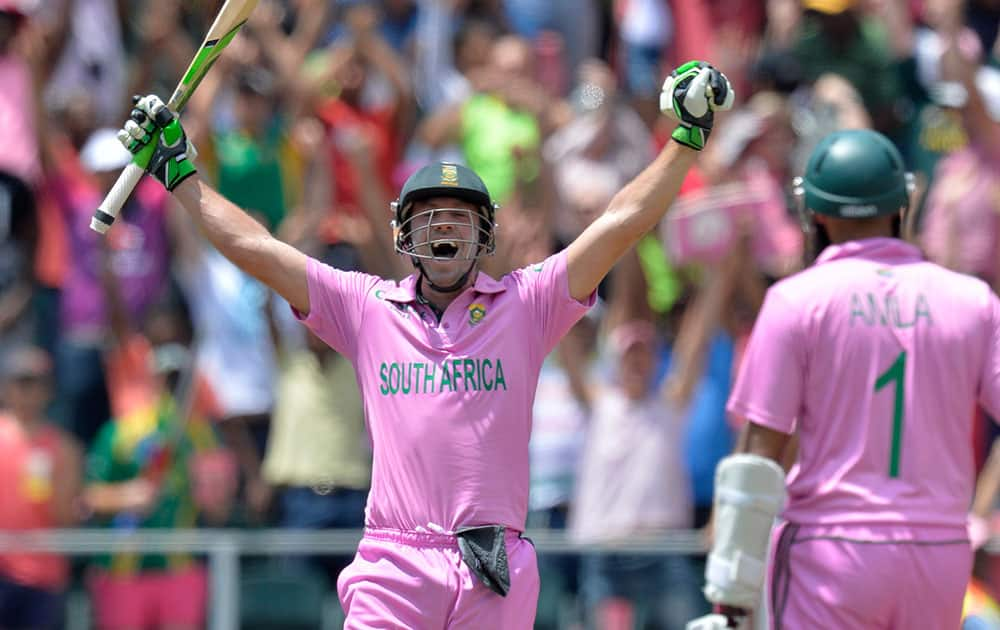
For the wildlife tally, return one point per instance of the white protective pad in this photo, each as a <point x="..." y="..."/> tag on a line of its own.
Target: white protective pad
<point x="714" y="622"/>
<point x="749" y="494"/>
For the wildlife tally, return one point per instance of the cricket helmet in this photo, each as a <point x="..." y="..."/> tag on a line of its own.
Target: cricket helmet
<point x="855" y="174"/>
<point x="443" y="179"/>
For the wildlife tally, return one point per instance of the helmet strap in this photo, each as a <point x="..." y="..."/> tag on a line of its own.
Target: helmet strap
<point x="817" y="239"/>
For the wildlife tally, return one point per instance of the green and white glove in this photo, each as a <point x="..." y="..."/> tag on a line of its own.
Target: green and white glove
<point x="158" y="144"/>
<point x="691" y="95"/>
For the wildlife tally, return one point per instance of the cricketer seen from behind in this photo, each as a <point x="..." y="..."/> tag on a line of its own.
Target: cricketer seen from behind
<point x="447" y="361"/>
<point x="875" y="359"/>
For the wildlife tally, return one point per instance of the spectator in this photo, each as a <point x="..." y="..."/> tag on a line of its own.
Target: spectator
<point x="746" y="174"/>
<point x="256" y="162"/>
<point x="18" y="239"/>
<point x="645" y="30"/>
<point x="92" y="58"/>
<point x="140" y="247"/>
<point x="20" y="174"/>
<point x="396" y="21"/>
<point x="632" y="483"/>
<point x="444" y="62"/>
<point x="399" y="23"/>
<point x="829" y="104"/>
<point x="561" y="415"/>
<point x="157" y="466"/>
<point x="508" y="114"/>
<point x="236" y="356"/>
<point x="836" y="36"/>
<point x="373" y="97"/>
<point x="961" y="229"/>
<point x="19" y="157"/>
<point x="604" y="145"/>
<point x="576" y="23"/>
<point x="39" y="488"/>
<point x="560" y="419"/>
<point x="319" y="454"/>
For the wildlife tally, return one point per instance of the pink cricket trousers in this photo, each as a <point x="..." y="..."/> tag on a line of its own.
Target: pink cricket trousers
<point x="418" y="581"/>
<point x="823" y="579"/>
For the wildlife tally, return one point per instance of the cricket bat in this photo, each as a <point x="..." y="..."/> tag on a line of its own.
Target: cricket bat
<point x="231" y="17"/>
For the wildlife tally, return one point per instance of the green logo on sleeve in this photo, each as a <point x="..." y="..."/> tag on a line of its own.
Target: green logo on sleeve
<point x="409" y="378"/>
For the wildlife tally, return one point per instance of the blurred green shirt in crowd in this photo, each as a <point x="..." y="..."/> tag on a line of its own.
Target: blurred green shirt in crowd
<point x="254" y="173"/>
<point x="145" y="442"/>
<point x="491" y="133"/>
<point x="864" y="61"/>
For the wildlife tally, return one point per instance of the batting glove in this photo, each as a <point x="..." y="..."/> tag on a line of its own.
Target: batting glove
<point x="691" y="95"/>
<point x="158" y="144"/>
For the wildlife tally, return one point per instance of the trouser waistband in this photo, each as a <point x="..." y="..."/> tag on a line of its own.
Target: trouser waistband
<point x="431" y="540"/>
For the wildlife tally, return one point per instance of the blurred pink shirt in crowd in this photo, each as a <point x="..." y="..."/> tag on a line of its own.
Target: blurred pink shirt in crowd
<point x="876" y="358"/>
<point x="448" y="403"/>
<point x="962" y="222"/>
<point x="19" y="156"/>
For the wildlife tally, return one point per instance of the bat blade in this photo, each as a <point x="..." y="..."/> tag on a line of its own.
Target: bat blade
<point x="232" y="16"/>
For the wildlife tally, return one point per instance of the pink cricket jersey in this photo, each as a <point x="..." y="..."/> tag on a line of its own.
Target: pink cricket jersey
<point x="448" y="404"/>
<point x="876" y="358"/>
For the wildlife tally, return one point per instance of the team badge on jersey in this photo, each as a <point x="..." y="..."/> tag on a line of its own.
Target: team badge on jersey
<point x="449" y="175"/>
<point x="476" y="313"/>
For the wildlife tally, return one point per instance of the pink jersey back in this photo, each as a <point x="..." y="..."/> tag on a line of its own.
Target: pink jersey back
<point x="448" y="404"/>
<point x="876" y="358"/>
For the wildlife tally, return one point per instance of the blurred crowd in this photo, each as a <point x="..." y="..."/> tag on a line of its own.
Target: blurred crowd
<point x="147" y="382"/>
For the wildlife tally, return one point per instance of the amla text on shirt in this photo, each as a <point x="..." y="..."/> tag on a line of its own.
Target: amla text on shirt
<point x="871" y="310"/>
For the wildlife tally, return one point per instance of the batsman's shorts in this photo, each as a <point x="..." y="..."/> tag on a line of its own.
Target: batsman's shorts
<point x="418" y="581"/>
<point x="828" y="577"/>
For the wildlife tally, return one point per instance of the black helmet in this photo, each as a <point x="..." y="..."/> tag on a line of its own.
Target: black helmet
<point x="444" y="179"/>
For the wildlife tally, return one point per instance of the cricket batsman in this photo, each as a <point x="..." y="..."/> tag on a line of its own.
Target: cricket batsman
<point x="447" y="360"/>
<point x="875" y="359"/>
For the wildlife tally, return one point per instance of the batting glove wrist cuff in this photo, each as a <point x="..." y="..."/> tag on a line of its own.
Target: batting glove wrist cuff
<point x="690" y="136"/>
<point x="171" y="168"/>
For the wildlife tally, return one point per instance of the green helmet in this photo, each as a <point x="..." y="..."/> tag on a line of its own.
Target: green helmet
<point x="855" y="174"/>
<point x="444" y="179"/>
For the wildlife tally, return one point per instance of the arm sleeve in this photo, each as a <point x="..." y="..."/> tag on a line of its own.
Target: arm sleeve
<point x="544" y="287"/>
<point x="989" y="380"/>
<point x="769" y="386"/>
<point x="336" y="305"/>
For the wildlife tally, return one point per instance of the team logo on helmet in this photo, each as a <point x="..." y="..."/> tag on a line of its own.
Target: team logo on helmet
<point x="449" y="175"/>
<point x="852" y="211"/>
<point x="476" y="313"/>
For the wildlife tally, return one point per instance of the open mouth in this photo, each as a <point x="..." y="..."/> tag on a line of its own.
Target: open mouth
<point x="444" y="249"/>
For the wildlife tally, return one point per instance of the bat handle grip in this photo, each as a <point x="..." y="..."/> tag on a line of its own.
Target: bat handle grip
<point x="106" y="213"/>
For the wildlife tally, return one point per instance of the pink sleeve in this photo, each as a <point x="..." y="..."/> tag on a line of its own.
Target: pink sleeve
<point x="336" y="305"/>
<point x="770" y="384"/>
<point x="545" y="289"/>
<point x="989" y="383"/>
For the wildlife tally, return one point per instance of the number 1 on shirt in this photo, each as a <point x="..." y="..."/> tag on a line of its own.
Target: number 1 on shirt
<point x="896" y="372"/>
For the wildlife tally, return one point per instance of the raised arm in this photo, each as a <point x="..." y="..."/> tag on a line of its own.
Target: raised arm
<point x="245" y="242"/>
<point x="159" y="145"/>
<point x="691" y="94"/>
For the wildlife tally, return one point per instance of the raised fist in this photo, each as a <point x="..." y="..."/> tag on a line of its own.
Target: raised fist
<point x="691" y="95"/>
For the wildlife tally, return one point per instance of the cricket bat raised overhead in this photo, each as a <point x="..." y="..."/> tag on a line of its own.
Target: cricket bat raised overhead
<point x="231" y="17"/>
